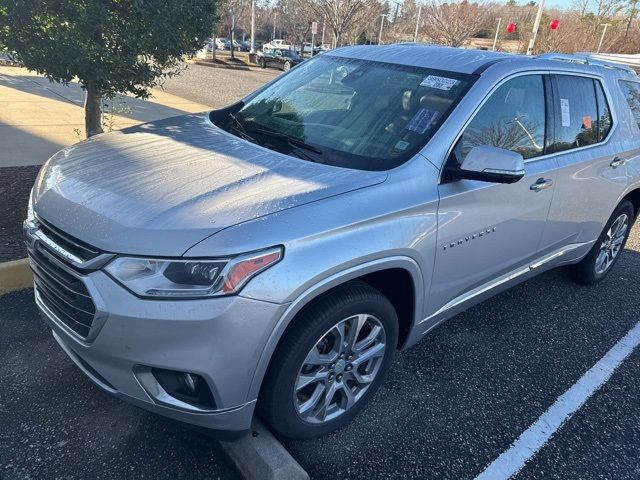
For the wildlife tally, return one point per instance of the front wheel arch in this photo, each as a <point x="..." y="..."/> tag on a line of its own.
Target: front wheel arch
<point x="336" y="280"/>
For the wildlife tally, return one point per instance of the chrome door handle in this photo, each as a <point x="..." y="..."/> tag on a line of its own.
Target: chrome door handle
<point x="541" y="184"/>
<point x="617" y="162"/>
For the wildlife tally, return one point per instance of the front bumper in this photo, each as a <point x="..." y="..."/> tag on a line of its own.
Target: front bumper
<point x="220" y="339"/>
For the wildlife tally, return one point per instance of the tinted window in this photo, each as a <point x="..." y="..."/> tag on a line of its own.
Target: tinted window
<point x="631" y="92"/>
<point x="575" y="113"/>
<point x="350" y="113"/>
<point x="513" y="118"/>
<point x="604" y="114"/>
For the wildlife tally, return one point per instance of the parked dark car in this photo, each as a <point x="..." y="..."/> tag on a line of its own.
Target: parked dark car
<point x="284" y="59"/>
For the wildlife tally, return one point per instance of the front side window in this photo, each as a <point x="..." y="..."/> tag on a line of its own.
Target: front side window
<point x="512" y="118"/>
<point x="575" y="113"/>
<point x="631" y="91"/>
<point x="345" y="112"/>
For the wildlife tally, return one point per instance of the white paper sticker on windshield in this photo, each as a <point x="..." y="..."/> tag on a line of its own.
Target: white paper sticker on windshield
<point x="422" y="120"/>
<point x="441" y="83"/>
<point x="566" y="114"/>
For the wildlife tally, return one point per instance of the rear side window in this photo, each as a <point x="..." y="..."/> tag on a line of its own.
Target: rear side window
<point x="513" y="118"/>
<point x="631" y="91"/>
<point x="575" y="113"/>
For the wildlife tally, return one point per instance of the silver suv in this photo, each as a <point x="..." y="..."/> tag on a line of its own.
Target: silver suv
<point x="276" y="253"/>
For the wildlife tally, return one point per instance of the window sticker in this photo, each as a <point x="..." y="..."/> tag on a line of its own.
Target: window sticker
<point x="401" y="145"/>
<point x="422" y="120"/>
<point x="441" y="83"/>
<point x="566" y="115"/>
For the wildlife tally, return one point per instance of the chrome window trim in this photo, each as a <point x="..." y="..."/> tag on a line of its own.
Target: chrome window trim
<point x="593" y="76"/>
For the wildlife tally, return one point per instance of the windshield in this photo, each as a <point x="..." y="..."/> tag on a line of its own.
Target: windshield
<point x="348" y="113"/>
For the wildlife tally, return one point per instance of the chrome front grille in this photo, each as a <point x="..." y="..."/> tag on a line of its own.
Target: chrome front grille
<point x="62" y="292"/>
<point x="59" y="262"/>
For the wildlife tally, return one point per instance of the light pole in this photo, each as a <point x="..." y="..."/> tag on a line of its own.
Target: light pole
<point x="495" y="39"/>
<point x="322" y="41"/>
<point x="604" y="31"/>
<point x="536" y="25"/>
<point x="415" y="34"/>
<point x="382" y="15"/>
<point x="252" y="50"/>
<point x="275" y="17"/>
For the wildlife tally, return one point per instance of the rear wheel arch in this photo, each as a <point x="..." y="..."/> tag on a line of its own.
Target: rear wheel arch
<point x="399" y="269"/>
<point x="634" y="197"/>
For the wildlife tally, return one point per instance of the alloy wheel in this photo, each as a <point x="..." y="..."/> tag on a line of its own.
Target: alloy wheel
<point x="612" y="244"/>
<point x="339" y="368"/>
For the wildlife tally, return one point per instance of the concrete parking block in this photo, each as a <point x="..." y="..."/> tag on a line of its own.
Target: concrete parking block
<point x="15" y="275"/>
<point x="260" y="456"/>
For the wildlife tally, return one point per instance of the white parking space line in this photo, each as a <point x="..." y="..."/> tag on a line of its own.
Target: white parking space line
<point x="538" y="434"/>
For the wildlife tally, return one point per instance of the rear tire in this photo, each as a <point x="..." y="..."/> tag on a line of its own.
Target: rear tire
<point x="287" y="66"/>
<point x="606" y="251"/>
<point x="263" y="64"/>
<point x="318" y="355"/>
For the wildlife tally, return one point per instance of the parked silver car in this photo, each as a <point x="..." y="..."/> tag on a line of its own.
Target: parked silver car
<point x="276" y="253"/>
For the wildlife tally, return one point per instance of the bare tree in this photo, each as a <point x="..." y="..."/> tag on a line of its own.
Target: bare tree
<point x="342" y="16"/>
<point x="453" y="23"/>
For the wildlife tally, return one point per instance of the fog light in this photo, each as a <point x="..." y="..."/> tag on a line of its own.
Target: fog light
<point x="189" y="382"/>
<point x="187" y="387"/>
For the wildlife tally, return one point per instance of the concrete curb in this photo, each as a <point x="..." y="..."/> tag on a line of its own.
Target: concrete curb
<point x="15" y="275"/>
<point x="204" y="63"/>
<point x="260" y="456"/>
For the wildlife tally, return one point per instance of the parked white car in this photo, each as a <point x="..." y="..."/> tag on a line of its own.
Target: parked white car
<point x="277" y="43"/>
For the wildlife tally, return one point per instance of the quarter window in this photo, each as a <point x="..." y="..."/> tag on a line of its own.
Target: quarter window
<point x="575" y="113"/>
<point x="604" y="113"/>
<point x="512" y="118"/>
<point x="631" y="91"/>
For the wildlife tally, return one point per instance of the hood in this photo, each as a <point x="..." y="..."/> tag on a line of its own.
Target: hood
<point x="161" y="187"/>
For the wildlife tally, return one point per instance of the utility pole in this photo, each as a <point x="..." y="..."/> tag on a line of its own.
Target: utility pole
<point x="382" y="16"/>
<point x="275" y="16"/>
<point x="495" y="39"/>
<point x="604" y="31"/>
<point x="322" y="41"/>
<point x="252" y="50"/>
<point x="536" y="25"/>
<point x="415" y="34"/>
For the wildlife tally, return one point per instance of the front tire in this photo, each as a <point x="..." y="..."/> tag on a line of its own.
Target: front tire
<point x="330" y="362"/>
<point x="287" y="66"/>
<point x="606" y="251"/>
<point x="263" y="64"/>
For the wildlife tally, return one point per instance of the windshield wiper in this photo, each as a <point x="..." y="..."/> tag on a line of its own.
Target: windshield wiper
<point x="291" y="140"/>
<point x="240" y="129"/>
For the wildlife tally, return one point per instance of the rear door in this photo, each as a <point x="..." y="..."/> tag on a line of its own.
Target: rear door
<point x="488" y="230"/>
<point x="592" y="174"/>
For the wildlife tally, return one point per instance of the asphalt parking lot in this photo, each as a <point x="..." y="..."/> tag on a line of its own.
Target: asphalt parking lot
<point x="452" y="404"/>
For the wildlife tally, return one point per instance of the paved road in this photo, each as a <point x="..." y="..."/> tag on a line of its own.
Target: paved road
<point x="452" y="404"/>
<point x="217" y="87"/>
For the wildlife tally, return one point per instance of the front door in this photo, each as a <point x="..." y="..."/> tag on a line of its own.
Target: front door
<point x="489" y="232"/>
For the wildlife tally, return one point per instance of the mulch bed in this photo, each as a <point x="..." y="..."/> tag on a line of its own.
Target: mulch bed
<point x="15" y="185"/>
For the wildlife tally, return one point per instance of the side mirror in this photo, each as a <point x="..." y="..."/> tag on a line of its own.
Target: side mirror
<point x="492" y="164"/>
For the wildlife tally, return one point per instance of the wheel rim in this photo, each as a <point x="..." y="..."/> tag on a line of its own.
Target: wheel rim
<point x="287" y="66"/>
<point x="612" y="243"/>
<point x="339" y="368"/>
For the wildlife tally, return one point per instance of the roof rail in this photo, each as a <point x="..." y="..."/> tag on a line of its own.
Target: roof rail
<point x="586" y="59"/>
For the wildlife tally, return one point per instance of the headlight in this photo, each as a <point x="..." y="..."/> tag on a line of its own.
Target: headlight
<point x="156" y="278"/>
